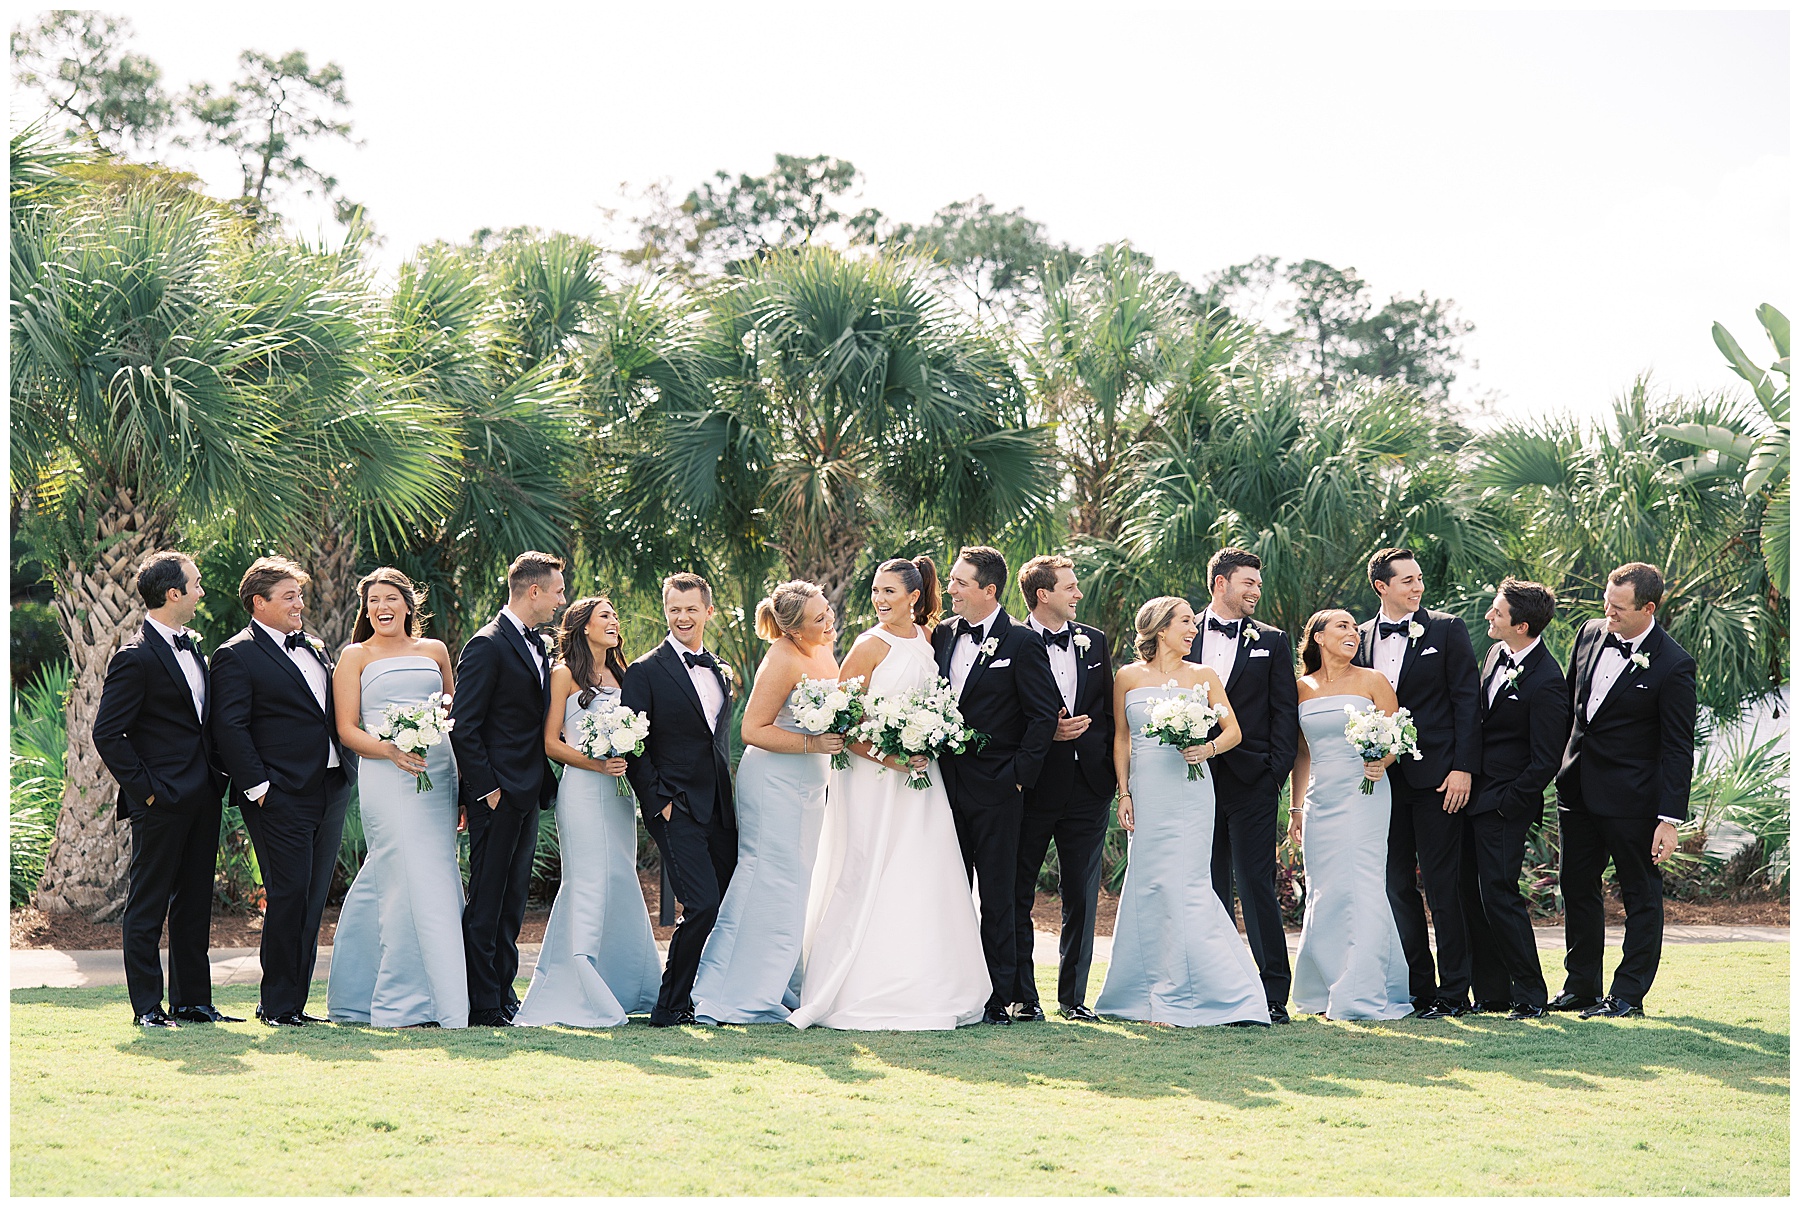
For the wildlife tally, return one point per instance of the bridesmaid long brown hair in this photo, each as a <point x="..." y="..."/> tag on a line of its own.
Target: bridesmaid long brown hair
<point x="571" y="642"/>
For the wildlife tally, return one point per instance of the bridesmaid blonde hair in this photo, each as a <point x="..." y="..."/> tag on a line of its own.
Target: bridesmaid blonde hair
<point x="783" y="610"/>
<point x="1152" y="619"/>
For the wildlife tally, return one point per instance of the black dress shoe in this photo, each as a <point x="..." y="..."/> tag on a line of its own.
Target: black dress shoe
<point x="310" y="1018"/>
<point x="1524" y="1010"/>
<point x="1278" y="1014"/>
<point x="684" y="1018"/>
<point x="1245" y="1022"/>
<point x="1568" y="1002"/>
<point x="1079" y="1014"/>
<point x="203" y="1014"/>
<point x="291" y="1019"/>
<point x="1028" y="1012"/>
<point x="1437" y="1010"/>
<point x="489" y="1018"/>
<point x="996" y="1016"/>
<point x="511" y="1009"/>
<point x="157" y="1019"/>
<point x="1613" y="1007"/>
<point x="1481" y="1007"/>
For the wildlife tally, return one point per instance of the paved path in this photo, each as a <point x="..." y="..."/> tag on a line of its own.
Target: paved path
<point x="50" y="968"/>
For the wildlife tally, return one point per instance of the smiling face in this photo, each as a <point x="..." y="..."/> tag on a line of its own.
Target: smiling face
<point x="539" y="602"/>
<point x="1402" y="594"/>
<point x="181" y="608"/>
<point x="1338" y="638"/>
<point x="602" y="631"/>
<point x="1235" y="597"/>
<point x="388" y="614"/>
<point x="1623" y="615"/>
<point x="284" y="607"/>
<point x="1056" y="607"/>
<point x="893" y="602"/>
<point x="1501" y="626"/>
<point x="1178" y="638"/>
<point x="687" y="613"/>
<point x="968" y="598"/>
<point x="818" y="624"/>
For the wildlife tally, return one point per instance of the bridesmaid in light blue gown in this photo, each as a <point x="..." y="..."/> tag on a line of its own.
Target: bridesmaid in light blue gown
<point x="397" y="959"/>
<point x="1350" y="963"/>
<point x="1177" y="958"/>
<point x="599" y="961"/>
<point x="750" y="967"/>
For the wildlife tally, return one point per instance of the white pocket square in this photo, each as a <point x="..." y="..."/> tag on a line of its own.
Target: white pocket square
<point x="1643" y="687"/>
<point x="1092" y="666"/>
<point x="1430" y="649"/>
<point x="1001" y="663"/>
<point x="1259" y="653"/>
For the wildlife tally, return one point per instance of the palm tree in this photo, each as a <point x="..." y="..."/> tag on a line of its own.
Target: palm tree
<point x="156" y="361"/>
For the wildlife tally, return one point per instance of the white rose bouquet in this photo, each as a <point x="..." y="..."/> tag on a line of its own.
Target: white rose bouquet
<point x="1185" y="719"/>
<point x="1375" y="735"/>
<point x="822" y="706"/>
<point x="924" y="722"/>
<point x="416" y="727"/>
<point x="609" y="733"/>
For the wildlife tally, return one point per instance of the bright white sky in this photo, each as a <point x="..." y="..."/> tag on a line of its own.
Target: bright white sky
<point x="1592" y="189"/>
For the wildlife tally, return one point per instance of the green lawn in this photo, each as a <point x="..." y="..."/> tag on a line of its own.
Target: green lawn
<point x="1693" y="1100"/>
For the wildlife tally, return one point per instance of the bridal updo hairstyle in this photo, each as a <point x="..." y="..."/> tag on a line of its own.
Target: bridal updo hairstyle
<point x="414" y="625"/>
<point x="1152" y="619"/>
<point x="783" y="610"/>
<point x="1311" y="658"/>
<point x="572" y="646"/>
<point x="918" y="574"/>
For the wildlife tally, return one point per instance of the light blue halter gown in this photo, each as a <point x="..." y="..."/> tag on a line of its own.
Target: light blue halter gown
<point x="599" y="961"/>
<point x="1176" y="956"/>
<point x="397" y="960"/>
<point x="1350" y="963"/>
<point x="750" y="968"/>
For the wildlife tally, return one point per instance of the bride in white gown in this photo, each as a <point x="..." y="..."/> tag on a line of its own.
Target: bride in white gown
<point x="892" y="938"/>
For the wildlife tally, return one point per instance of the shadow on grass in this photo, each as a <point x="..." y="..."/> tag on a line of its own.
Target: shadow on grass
<point x="1236" y="1067"/>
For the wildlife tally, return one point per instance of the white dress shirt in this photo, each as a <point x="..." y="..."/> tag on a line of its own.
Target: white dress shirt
<point x="712" y="696"/>
<point x="1610" y="669"/>
<point x="313" y="671"/>
<point x="537" y="659"/>
<point x="966" y="650"/>
<point x="1518" y="659"/>
<point x="1390" y="651"/>
<point x="189" y="663"/>
<point x="1062" y="661"/>
<point x="1217" y="650"/>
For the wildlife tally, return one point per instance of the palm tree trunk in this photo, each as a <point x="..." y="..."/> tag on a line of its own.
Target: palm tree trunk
<point x="99" y="610"/>
<point x="831" y="562"/>
<point x="331" y="557"/>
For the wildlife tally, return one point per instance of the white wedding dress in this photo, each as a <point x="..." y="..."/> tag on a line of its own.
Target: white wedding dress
<point x="893" y="942"/>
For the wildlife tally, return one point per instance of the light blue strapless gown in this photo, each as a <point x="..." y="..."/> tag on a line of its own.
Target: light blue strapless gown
<point x="1176" y="956"/>
<point x="397" y="960"/>
<point x="1350" y="963"/>
<point x="599" y="961"/>
<point x="750" y="968"/>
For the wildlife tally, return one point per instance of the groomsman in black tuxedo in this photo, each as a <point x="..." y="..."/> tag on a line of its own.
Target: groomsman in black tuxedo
<point x="1623" y="788"/>
<point x="1001" y="676"/>
<point x="683" y="779"/>
<point x="1524" y="726"/>
<point x="274" y="730"/>
<point x="151" y="734"/>
<point x="1072" y="798"/>
<point x="1429" y="659"/>
<point x="1256" y="664"/>
<point x="502" y="697"/>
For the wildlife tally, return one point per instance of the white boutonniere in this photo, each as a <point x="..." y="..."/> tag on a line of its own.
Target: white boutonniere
<point x="1252" y="634"/>
<point x="989" y="648"/>
<point x="725" y="671"/>
<point x="1512" y="677"/>
<point x="1641" y="661"/>
<point x="1082" y="641"/>
<point x="1414" y="631"/>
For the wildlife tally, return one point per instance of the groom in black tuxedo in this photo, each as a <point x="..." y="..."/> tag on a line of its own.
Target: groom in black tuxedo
<point x="1623" y="788"/>
<point x="505" y="780"/>
<point x="151" y="734"/>
<point x="1072" y="799"/>
<point x="1001" y="676"/>
<point x="1429" y="659"/>
<point x="274" y="728"/>
<point x="1524" y="726"/>
<point x="1256" y="664"/>
<point x="683" y="779"/>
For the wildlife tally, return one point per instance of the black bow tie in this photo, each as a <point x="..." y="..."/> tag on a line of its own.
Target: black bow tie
<point x="1396" y="629"/>
<point x="1506" y="659"/>
<point x="1219" y="626"/>
<point x="535" y="640"/>
<point x="184" y="642"/>
<point x="701" y="659"/>
<point x="1060" y="640"/>
<point x="295" y="641"/>
<point x="1612" y="642"/>
<point x="965" y="629"/>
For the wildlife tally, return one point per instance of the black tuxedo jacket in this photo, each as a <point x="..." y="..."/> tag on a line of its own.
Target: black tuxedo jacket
<point x="1636" y="757"/>
<point x="1009" y="695"/>
<point x="1265" y="696"/>
<point x="1093" y="699"/>
<point x="148" y="734"/>
<point x="266" y="723"/>
<point x="499" y="710"/>
<point x="1522" y="736"/>
<point x="1440" y="687"/>
<point x="685" y="761"/>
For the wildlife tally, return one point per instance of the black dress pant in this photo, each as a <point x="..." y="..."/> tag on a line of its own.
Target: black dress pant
<point x="1076" y="821"/>
<point x="174" y="851"/>
<point x="1244" y="841"/>
<point x="700" y="858"/>
<point x="1425" y="844"/>
<point x="296" y="840"/>
<point x="1503" y="958"/>
<point x="502" y="842"/>
<point x="1587" y="842"/>
<point x="987" y="830"/>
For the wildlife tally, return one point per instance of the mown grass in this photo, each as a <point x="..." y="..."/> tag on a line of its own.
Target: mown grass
<point x="1693" y="1100"/>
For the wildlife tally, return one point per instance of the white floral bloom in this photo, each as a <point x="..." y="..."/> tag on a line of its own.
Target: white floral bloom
<point x="989" y="647"/>
<point x="1641" y="661"/>
<point x="407" y="740"/>
<point x="1082" y="641"/>
<point x="429" y="735"/>
<point x="837" y="701"/>
<point x="1414" y="631"/>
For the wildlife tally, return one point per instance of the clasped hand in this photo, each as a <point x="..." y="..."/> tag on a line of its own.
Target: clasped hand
<point x="408" y="761"/>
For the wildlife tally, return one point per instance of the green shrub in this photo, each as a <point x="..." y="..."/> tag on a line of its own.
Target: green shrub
<point x="36" y="775"/>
